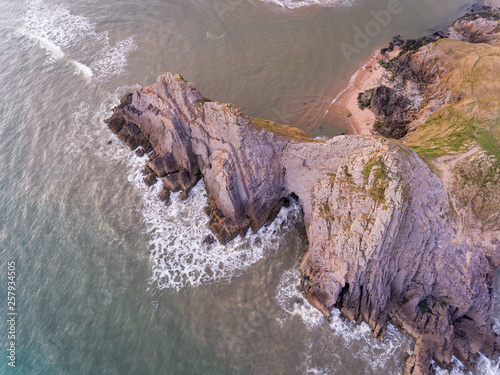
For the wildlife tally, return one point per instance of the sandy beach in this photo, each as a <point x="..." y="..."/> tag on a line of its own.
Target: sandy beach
<point x="370" y="75"/>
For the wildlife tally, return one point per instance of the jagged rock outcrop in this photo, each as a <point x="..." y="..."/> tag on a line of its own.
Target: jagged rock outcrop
<point x="193" y="137"/>
<point x="425" y="76"/>
<point x="383" y="244"/>
<point x="394" y="109"/>
<point x="454" y="126"/>
<point x="446" y="98"/>
<point x="478" y="28"/>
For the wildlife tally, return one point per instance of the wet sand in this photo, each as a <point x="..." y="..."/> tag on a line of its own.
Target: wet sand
<point x="370" y="75"/>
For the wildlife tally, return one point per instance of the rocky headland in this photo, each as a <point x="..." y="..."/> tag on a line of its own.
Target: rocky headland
<point x="442" y="99"/>
<point x="407" y="234"/>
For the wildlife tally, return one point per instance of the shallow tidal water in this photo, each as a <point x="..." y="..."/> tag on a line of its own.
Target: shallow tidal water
<point x="109" y="280"/>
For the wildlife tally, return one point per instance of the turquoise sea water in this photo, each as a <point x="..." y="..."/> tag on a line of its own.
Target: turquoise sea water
<point x="108" y="280"/>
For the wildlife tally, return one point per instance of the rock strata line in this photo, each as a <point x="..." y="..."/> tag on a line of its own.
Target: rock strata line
<point x="383" y="243"/>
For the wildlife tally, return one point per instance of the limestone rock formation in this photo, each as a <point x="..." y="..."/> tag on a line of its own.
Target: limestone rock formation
<point x="192" y="137"/>
<point x="384" y="244"/>
<point x="454" y="126"/>
<point x="446" y="99"/>
<point x="478" y="28"/>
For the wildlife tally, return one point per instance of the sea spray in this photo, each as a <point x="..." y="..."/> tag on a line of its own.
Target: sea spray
<point x="178" y="259"/>
<point x="65" y="36"/>
<point x="293" y="303"/>
<point x="83" y="69"/>
<point x="91" y="133"/>
<point x="296" y="4"/>
<point x="178" y="256"/>
<point x="484" y="366"/>
<point x="356" y="338"/>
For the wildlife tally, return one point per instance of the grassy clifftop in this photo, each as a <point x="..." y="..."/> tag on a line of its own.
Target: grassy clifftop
<point x="288" y="131"/>
<point x="471" y="114"/>
<point x="445" y="96"/>
<point x="461" y="140"/>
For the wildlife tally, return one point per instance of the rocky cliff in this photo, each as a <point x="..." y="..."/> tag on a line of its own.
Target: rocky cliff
<point x="444" y="103"/>
<point x="384" y="244"/>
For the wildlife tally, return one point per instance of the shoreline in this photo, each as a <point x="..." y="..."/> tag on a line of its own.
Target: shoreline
<point x="371" y="74"/>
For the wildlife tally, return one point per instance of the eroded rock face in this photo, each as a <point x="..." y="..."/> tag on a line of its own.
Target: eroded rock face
<point x="425" y="75"/>
<point x="383" y="245"/>
<point x="478" y="28"/>
<point x="446" y="104"/>
<point x="392" y="109"/>
<point x="192" y="137"/>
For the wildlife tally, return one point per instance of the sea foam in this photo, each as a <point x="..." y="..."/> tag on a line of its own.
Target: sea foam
<point x="113" y="59"/>
<point x="178" y="256"/>
<point x="296" y="4"/>
<point x="293" y="303"/>
<point x="484" y="366"/>
<point x="356" y="338"/>
<point x="211" y="36"/>
<point x="73" y="38"/>
<point x="372" y="352"/>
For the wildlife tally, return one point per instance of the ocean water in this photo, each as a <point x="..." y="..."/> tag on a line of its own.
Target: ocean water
<point x="109" y="280"/>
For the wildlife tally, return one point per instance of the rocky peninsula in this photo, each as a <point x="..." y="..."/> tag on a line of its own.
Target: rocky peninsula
<point x="392" y="237"/>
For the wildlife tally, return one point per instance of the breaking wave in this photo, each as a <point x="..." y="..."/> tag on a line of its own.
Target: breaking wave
<point x="296" y="4"/>
<point x="177" y="253"/>
<point x="484" y="366"/>
<point x="72" y="38"/>
<point x="355" y="338"/>
<point x="293" y="303"/>
<point x="179" y="257"/>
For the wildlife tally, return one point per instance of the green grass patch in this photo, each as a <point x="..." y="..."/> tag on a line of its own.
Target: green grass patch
<point x="446" y="132"/>
<point x="346" y="171"/>
<point x="489" y="143"/>
<point x="288" y="131"/>
<point x="471" y="118"/>
<point x="380" y="178"/>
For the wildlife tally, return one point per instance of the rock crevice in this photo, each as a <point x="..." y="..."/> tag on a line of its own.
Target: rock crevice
<point x="383" y="244"/>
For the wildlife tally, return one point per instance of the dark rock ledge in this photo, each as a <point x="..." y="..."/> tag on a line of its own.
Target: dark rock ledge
<point x="383" y="245"/>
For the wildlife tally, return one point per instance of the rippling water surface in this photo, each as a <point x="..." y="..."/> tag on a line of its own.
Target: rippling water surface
<point x="110" y="281"/>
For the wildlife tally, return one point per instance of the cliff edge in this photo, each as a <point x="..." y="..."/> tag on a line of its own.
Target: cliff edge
<point x="443" y="102"/>
<point x="384" y="244"/>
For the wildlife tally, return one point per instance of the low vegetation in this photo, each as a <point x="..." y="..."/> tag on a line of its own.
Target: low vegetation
<point x="288" y="131"/>
<point x="376" y="166"/>
<point x="472" y="116"/>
